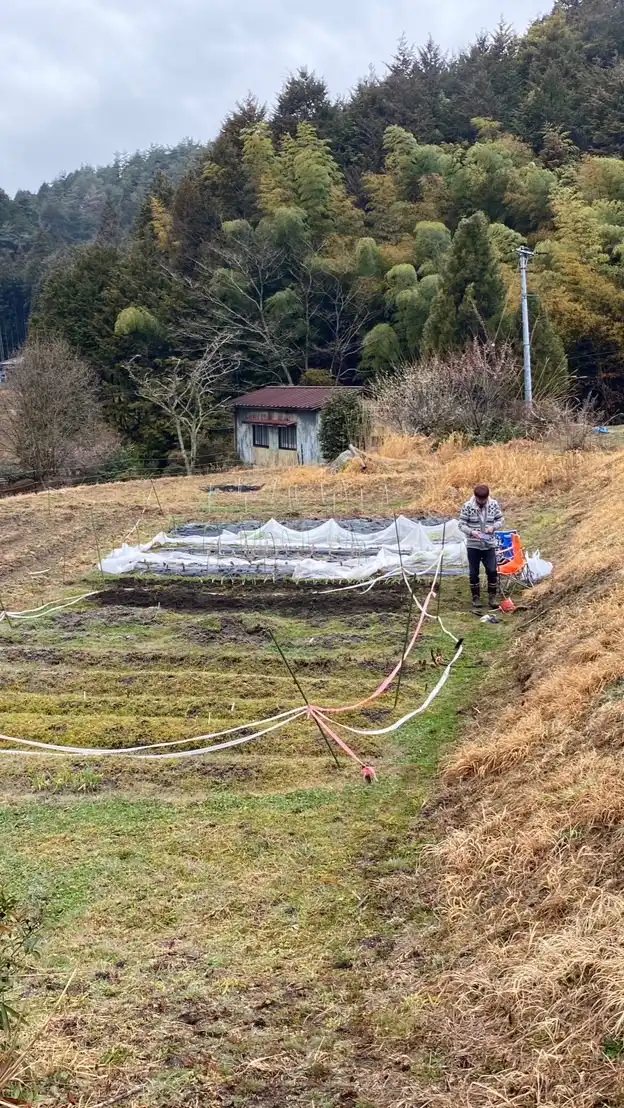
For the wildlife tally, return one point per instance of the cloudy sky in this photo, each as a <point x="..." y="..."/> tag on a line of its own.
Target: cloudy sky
<point x="82" y="79"/>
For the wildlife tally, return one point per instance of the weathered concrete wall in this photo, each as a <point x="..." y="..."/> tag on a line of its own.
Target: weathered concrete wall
<point x="307" y="438"/>
<point x="308" y="451"/>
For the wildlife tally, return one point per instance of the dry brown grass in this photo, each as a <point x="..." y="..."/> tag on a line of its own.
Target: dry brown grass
<point x="51" y="539"/>
<point x="524" y="996"/>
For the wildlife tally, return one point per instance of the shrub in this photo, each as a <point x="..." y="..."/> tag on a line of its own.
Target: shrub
<point x="52" y="418"/>
<point x="568" y="425"/>
<point x="341" y="423"/>
<point x="476" y="391"/>
<point x="317" y="377"/>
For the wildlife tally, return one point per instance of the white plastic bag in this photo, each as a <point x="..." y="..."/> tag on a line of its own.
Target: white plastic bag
<point x="538" y="569"/>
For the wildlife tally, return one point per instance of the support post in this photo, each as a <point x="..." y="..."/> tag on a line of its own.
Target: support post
<point x="524" y="254"/>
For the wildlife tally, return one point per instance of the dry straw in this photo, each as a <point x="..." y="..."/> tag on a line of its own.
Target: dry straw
<point x="526" y="1005"/>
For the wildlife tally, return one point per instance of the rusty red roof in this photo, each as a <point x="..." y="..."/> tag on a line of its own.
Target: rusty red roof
<point x="295" y="397"/>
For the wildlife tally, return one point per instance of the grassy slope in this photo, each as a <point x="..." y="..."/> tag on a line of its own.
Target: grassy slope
<point x="260" y="929"/>
<point x="222" y="914"/>
<point x="522" y="988"/>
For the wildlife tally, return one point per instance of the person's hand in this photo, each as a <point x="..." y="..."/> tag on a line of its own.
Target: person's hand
<point x="475" y="534"/>
<point x="489" y="530"/>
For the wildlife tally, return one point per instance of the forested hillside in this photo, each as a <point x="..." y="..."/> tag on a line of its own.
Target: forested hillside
<point x="37" y="229"/>
<point x="346" y="237"/>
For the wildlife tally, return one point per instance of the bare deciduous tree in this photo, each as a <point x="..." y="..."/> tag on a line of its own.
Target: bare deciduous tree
<point x="189" y="393"/>
<point x="284" y="307"/>
<point x="52" y="411"/>
<point x="476" y="391"/>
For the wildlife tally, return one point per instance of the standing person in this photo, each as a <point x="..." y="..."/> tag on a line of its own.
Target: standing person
<point x="479" y="520"/>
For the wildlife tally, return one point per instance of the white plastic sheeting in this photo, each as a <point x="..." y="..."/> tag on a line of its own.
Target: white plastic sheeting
<point x="328" y="552"/>
<point x="328" y="537"/>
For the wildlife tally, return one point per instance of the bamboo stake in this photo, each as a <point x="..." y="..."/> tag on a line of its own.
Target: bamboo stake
<point x="97" y="545"/>
<point x="6" y="614"/>
<point x="441" y="568"/>
<point x="157" y="498"/>
<point x="407" y="631"/>
<point x="409" y="614"/>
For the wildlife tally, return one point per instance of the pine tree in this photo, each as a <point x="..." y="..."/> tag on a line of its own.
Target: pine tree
<point x="548" y="357"/>
<point x="471" y="282"/>
<point x="109" y="231"/>
<point x="304" y="99"/>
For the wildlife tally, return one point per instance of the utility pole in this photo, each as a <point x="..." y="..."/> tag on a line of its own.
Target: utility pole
<point x="524" y="254"/>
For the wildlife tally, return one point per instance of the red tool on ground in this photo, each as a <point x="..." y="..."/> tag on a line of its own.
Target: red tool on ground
<point x="507" y="605"/>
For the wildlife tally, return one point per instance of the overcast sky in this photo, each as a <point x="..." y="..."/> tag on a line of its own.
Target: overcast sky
<point x="82" y="79"/>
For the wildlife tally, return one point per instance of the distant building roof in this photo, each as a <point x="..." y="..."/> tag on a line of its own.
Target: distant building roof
<point x="296" y="397"/>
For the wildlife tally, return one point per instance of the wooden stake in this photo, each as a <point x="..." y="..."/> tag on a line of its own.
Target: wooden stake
<point x="441" y="569"/>
<point x="97" y="546"/>
<point x="157" y="498"/>
<point x="6" y="614"/>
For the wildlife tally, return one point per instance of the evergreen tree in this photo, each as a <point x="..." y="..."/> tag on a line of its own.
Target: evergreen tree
<point x="303" y="99"/>
<point x="413" y="308"/>
<point x="194" y="220"/>
<point x="472" y="294"/>
<point x="431" y="243"/>
<point x="231" y="188"/>
<point x="441" y="330"/>
<point x="369" y="261"/>
<point x="548" y="357"/>
<point x="109" y="231"/>
<point x="341" y="423"/>
<point x="302" y="174"/>
<point x="72" y="305"/>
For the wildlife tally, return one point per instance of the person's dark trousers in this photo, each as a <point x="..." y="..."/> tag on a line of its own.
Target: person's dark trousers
<point x="487" y="558"/>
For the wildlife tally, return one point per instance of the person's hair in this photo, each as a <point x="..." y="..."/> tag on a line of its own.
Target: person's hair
<point x="481" y="492"/>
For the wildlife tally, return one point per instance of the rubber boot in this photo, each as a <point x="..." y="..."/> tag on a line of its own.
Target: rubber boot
<point x="493" y="601"/>
<point x="476" y="600"/>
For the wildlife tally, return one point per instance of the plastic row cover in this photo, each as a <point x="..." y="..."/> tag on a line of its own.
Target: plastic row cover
<point x="329" y="536"/>
<point x="353" y="556"/>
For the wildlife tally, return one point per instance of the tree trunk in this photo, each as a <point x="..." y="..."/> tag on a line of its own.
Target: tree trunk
<point x="187" y="464"/>
<point x="193" y="450"/>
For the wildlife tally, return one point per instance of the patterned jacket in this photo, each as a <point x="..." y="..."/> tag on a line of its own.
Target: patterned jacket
<point x="473" y="518"/>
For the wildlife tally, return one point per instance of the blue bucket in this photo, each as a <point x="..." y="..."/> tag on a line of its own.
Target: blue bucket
<point x="504" y="546"/>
